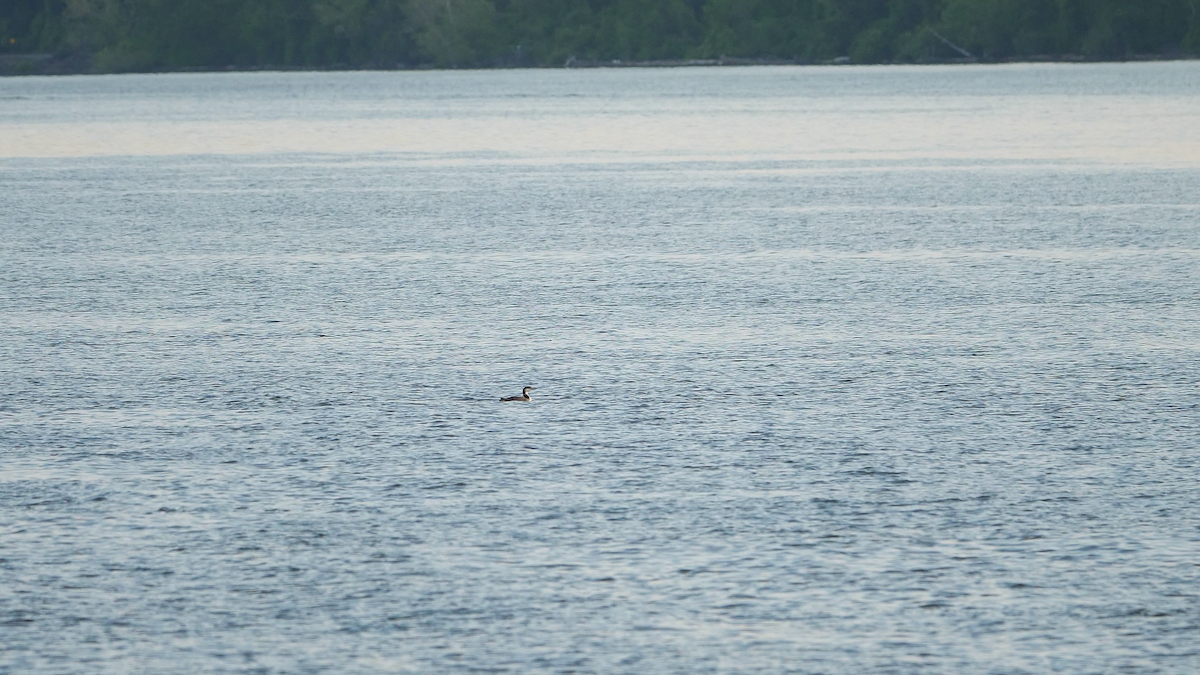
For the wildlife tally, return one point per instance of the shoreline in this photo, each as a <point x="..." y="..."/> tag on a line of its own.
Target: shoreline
<point x="18" y="65"/>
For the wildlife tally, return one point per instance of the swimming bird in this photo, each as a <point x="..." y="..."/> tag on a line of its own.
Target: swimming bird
<point x="523" y="397"/>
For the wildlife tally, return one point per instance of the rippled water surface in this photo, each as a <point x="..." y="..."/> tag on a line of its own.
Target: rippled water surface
<point x="837" y="370"/>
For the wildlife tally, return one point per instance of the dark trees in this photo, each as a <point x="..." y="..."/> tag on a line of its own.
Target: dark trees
<point x="123" y="35"/>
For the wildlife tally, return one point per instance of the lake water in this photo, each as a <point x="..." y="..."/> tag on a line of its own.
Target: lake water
<point x="838" y="370"/>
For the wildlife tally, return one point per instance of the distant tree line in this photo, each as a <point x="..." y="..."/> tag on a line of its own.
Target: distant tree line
<point x="140" y="35"/>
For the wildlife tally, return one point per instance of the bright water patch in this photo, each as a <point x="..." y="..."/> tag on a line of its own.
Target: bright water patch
<point x="821" y="416"/>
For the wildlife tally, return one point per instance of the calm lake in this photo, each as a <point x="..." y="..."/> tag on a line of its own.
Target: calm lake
<point x="837" y="370"/>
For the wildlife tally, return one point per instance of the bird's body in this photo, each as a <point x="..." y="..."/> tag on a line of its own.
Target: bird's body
<point x="523" y="397"/>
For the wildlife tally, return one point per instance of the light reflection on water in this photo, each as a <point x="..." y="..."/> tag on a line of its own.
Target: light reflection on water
<point x="1109" y="112"/>
<point x="837" y="370"/>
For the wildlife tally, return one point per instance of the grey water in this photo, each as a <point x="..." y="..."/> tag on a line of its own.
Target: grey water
<point x="837" y="370"/>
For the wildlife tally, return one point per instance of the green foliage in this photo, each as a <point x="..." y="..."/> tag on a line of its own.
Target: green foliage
<point x="548" y="31"/>
<point x="797" y="29"/>
<point x="124" y="35"/>
<point x="873" y="44"/>
<point x="453" y="33"/>
<point x="1191" y="39"/>
<point x="30" y="25"/>
<point x="988" y="29"/>
<point x="653" y="29"/>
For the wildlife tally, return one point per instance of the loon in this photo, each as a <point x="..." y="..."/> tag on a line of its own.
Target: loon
<point x="523" y="397"/>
